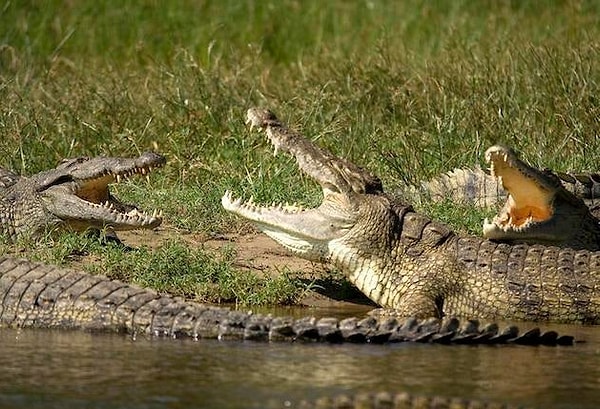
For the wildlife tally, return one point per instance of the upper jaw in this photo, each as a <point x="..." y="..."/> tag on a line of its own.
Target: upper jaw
<point x="117" y="168"/>
<point x="332" y="173"/>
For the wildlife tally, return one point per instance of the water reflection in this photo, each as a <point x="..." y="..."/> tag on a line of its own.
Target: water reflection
<point x="75" y="369"/>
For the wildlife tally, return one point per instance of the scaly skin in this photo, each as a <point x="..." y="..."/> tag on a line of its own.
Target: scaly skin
<point x="404" y="261"/>
<point x="400" y="400"/>
<point x="73" y="196"/>
<point x="35" y="295"/>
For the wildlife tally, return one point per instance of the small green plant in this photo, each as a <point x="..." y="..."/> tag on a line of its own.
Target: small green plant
<point x="176" y="268"/>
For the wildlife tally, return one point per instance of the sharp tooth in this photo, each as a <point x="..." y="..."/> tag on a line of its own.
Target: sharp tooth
<point x="148" y="178"/>
<point x="118" y="177"/>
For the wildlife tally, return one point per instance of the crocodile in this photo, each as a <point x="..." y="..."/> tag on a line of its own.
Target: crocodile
<point x="540" y="206"/>
<point x="43" y="296"/>
<point x="478" y="187"/>
<point x="404" y="261"/>
<point x="37" y="295"/>
<point x="74" y="196"/>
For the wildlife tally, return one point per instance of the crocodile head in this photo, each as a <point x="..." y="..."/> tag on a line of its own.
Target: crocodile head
<point x="76" y="196"/>
<point x="311" y="233"/>
<point x="538" y="208"/>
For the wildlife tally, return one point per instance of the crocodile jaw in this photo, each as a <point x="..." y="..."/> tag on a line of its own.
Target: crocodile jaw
<point x="305" y="232"/>
<point x="77" y="195"/>
<point x="310" y="233"/>
<point x="531" y="211"/>
<point x="79" y="214"/>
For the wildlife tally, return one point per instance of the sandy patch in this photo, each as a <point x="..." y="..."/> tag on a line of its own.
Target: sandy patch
<point x="259" y="253"/>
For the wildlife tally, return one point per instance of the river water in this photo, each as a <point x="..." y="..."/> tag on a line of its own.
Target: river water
<point x="74" y="369"/>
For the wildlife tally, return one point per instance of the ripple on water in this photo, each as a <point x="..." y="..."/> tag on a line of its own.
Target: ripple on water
<point x="76" y="369"/>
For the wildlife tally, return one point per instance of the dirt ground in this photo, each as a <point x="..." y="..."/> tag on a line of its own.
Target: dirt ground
<point x="259" y="253"/>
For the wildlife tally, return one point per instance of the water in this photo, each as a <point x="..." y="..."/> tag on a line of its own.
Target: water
<point x="72" y="369"/>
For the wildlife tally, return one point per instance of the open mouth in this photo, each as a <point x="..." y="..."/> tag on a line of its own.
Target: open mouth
<point x="88" y="200"/>
<point x="264" y="217"/>
<point x="530" y="193"/>
<point x="96" y="192"/>
<point x="302" y="230"/>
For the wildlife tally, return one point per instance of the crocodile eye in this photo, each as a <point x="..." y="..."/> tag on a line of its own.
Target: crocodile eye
<point x="62" y="179"/>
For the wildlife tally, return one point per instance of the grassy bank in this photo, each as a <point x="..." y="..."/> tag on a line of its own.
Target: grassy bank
<point x="408" y="90"/>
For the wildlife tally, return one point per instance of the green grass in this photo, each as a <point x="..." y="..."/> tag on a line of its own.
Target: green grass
<point x="407" y="89"/>
<point x="173" y="267"/>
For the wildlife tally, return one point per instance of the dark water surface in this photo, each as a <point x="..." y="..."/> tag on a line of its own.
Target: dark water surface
<point x="72" y="369"/>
